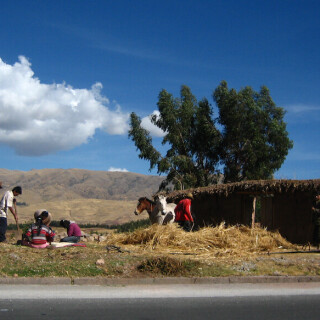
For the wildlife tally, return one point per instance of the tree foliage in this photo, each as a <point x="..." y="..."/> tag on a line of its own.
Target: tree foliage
<point x="251" y="144"/>
<point x="255" y="141"/>
<point x="191" y="136"/>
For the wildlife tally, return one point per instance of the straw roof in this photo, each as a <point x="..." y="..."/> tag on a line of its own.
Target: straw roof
<point x="259" y="187"/>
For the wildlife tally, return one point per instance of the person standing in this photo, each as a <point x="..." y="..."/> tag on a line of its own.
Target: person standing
<point x="183" y="213"/>
<point x="73" y="231"/>
<point x="316" y="221"/>
<point x="5" y="204"/>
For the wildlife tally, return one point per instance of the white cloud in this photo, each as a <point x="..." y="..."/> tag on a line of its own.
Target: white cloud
<point x="38" y="119"/>
<point x="112" y="169"/>
<point x="302" y="113"/>
<point x="298" y="108"/>
<point x="149" y="126"/>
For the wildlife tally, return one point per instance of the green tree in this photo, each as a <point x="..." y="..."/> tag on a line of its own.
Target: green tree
<point x="255" y="141"/>
<point x="191" y="137"/>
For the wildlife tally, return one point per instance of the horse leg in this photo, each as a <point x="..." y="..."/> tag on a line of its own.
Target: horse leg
<point x="159" y="219"/>
<point x="169" y="218"/>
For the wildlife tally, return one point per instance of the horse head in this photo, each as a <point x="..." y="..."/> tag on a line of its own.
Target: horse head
<point x="165" y="209"/>
<point x="161" y="204"/>
<point x="143" y="204"/>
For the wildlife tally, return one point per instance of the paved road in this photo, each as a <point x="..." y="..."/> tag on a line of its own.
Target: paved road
<point x="241" y="301"/>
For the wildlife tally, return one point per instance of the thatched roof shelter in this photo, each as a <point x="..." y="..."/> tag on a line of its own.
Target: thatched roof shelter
<point x="283" y="205"/>
<point x="254" y="187"/>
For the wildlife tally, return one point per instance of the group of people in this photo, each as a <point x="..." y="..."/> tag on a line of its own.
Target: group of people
<point x="39" y="234"/>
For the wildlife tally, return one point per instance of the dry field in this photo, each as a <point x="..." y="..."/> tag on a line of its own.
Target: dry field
<point x="83" y="211"/>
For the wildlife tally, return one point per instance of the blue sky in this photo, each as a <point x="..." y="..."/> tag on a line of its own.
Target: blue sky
<point x="72" y="71"/>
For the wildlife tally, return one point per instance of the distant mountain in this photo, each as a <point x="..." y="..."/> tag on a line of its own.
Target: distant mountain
<point x="84" y="195"/>
<point x="61" y="184"/>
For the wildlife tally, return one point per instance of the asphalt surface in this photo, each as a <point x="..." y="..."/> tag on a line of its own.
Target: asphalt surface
<point x="277" y="300"/>
<point x="236" y="308"/>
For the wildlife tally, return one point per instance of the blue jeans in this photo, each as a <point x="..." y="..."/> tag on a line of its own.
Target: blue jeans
<point x="73" y="239"/>
<point x="3" y="229"/>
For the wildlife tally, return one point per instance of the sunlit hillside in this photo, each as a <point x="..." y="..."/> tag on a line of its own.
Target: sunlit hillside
<point x="81" y="195"/>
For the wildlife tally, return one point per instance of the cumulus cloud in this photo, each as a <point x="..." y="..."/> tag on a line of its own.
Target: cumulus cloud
<point x="149" y="126"/>
<point x="112" y="169"/>
<point x="39" y="119"/>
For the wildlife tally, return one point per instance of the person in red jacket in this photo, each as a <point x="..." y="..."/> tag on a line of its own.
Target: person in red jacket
<point x="183" y="213"/>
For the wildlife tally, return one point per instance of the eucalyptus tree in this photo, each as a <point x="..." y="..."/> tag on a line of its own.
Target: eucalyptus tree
<point x="255" y="140"/>
<point x="251" y="143"/>
<point x="190" y="135"/>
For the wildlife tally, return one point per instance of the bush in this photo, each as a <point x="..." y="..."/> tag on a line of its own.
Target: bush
<point x="168" y="266"/>
<point x="133" y="225"/>
<point x="22" y="204"/>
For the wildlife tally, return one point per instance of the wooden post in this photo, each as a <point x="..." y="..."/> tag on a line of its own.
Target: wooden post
<point x="253" y="216"/>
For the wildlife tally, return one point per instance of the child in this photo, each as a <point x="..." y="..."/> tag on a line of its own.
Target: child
<point x="39" y="235"/>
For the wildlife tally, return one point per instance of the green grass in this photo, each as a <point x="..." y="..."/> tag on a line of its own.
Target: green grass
<point x="28" y="262"/>
<point x="20" y="261"/>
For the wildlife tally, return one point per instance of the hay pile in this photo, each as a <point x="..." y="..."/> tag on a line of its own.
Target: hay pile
<point x="220" y="241"/>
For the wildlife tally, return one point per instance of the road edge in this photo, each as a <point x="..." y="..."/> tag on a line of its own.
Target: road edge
<point x="154" y="281"/>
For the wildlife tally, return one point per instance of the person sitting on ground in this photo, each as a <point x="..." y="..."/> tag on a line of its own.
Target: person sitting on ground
<point x="73" y="231"/>
<point x="39" y="235"/>
<point x="183" y="213"/>
<point x="37" y="213"/>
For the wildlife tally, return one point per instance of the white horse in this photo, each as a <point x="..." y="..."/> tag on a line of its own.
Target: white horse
<point x="155" y="211"/>
<point x="166" y="209"/>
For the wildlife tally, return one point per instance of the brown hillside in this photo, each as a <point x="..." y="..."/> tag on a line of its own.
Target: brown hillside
<point x="90" y="196"/>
